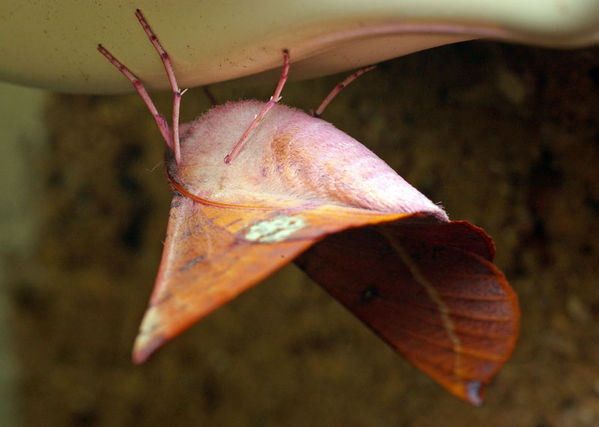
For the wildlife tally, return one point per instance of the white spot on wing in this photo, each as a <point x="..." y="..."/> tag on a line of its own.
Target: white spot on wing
<point x="275" y="230"/>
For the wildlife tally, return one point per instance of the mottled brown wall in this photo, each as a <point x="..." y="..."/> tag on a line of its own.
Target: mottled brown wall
<point x="506" y="137"/>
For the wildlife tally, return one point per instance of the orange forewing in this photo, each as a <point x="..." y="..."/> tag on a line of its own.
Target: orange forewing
<point x="428" y="288"/>
<point x="214" y="252"/>
<point x="430" y="291"/>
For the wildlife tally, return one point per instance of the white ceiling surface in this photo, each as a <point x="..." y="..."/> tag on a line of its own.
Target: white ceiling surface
<point x="52" y="43"/>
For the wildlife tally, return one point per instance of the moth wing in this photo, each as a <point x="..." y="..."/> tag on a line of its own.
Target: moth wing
<point x="212" y="253"/>
<point x="431" y="291"/>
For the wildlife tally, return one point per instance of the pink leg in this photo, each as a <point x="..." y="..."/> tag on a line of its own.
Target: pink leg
<point x="160" y="121"/>
<point x="353" y="76"/>
<point x="271" y="102"/>
<point x="171" y="78"/>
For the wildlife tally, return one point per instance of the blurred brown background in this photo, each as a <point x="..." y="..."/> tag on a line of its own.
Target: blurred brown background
<point x="506" y="137"/>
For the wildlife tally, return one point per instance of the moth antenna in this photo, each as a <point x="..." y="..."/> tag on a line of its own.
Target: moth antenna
<point x="271" y="102"/>
<point x="177" y="94"/>
<point x="339" y="87"/>
<point x="210" y="96"/>
<point x="139" y="87"/>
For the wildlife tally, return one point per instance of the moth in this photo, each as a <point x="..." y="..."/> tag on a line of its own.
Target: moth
<point x="258" y="185"/>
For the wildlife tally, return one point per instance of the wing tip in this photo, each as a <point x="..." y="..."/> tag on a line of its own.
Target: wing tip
<point x="474" y="392"/>
<point x="145" y="346"/>
<point x="150" y="336"/>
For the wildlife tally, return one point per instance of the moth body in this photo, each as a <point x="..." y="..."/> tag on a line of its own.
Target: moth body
<point x="289" y="154"/>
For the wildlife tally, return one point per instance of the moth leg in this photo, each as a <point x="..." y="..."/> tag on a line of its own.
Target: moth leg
<point x="139" y="87"/>
<point x="177" y="93"/>
<point x="210" y="95"/>
<point x="271" y="102"/>
<point x="339" y="87"/>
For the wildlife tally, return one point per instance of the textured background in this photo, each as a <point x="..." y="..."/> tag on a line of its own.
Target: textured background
<point x="506" y="137"/>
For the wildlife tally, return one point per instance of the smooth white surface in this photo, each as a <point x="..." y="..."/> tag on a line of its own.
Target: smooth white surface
<point x="52" y="44"/>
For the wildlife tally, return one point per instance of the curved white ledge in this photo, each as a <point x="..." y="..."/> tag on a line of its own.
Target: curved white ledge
<point x="52" y="44"/>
